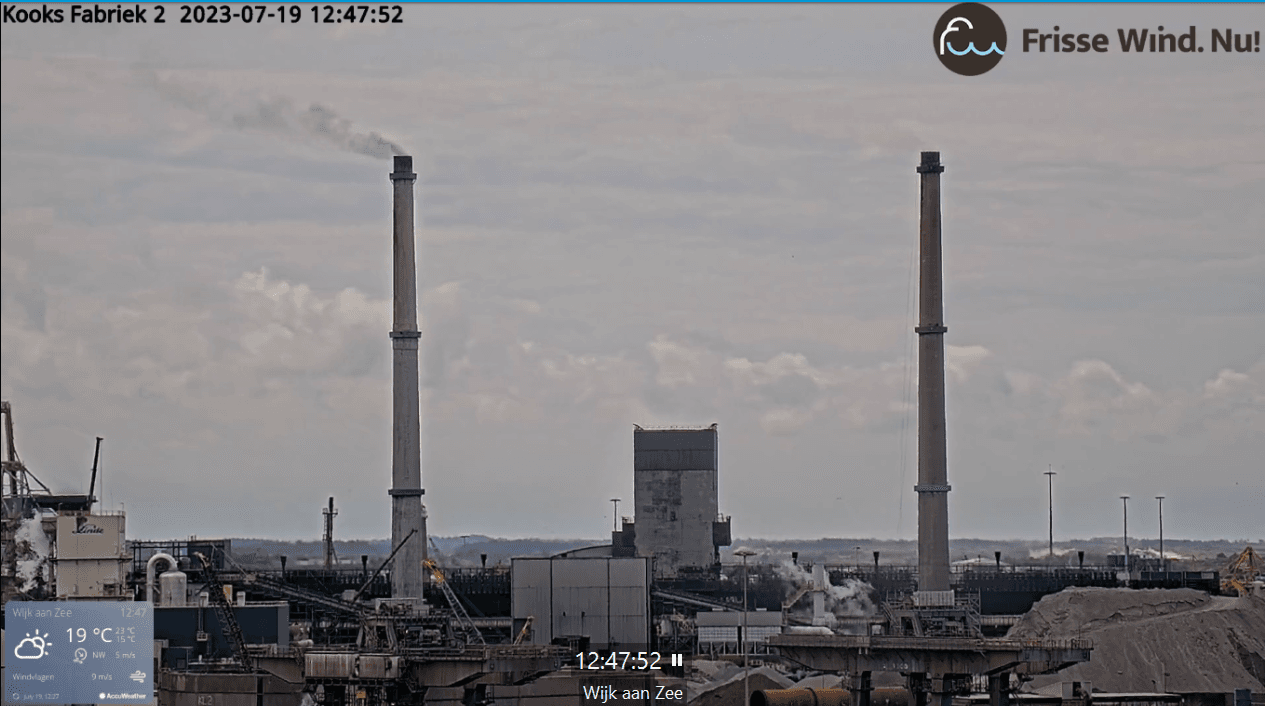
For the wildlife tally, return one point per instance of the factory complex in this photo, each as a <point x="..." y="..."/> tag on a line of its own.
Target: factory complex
<point x="670" y="611"/>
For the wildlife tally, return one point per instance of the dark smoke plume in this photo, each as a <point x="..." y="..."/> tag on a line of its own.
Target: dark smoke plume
<point x="278" y="115"/>
<point x="324" y="123"/>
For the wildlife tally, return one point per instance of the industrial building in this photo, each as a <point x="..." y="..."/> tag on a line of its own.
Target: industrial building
<point x="92" y="557"/>
<point x="676" y="495"/>
<point x="602" y="602"/>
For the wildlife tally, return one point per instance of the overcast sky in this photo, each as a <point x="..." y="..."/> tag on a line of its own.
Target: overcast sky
<point x="636" y="214"/>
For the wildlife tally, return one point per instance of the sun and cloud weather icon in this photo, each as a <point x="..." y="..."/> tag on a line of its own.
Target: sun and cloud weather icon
<point x="32" y="646"/>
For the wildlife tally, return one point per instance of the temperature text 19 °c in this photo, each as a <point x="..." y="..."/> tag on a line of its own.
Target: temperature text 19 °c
<point x="126" y="634"/>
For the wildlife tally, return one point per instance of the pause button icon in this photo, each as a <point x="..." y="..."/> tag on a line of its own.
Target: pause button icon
<point x="678" y="660"/>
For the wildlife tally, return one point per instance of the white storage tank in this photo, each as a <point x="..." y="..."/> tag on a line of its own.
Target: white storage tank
<point x="173" y="588"/>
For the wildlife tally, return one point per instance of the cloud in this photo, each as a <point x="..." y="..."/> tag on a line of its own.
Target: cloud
<point x="961" y="361"/>
<point x="785" y="421"/>
<point x="1093" y="399"/>
<point x="1232" y="386"/>
<point x="258" y="336"/>
<point x="678" y="364"/>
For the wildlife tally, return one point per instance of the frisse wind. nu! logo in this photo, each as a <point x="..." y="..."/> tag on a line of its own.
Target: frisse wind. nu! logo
<point x="970" y="39"/>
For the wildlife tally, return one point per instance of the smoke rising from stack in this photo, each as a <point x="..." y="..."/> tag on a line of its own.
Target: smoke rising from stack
<point x="277" y="115"/>
<point x="324" y="123"/>
<point x="318" y="121"/>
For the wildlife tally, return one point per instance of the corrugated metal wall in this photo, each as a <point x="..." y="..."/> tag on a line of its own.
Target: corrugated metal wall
<point x="675" y="450"/>
<point x="630" y="607"/>
<point x="606" y="599"/>
<point x="581" y="598"/>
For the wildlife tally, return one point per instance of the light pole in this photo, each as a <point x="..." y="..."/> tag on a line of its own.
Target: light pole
<point x="1125" y="499"/>
<point x="1163" y="561"/>
<point x="1050" y="474"/>
<point x="615" y="518"/>
<point x="856" y="558"/>
<point x="746" y="684"/>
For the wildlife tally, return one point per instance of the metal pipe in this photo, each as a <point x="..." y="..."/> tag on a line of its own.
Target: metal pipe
<point x="933" y="477"/>
<point x="746" y="651"/>
<point x="92" y="485"/>
<point x="149" y="573"/>
<point x="1050" y="474"/>
<point x="390" y="556"/>
<point x="329" y="534"/>
<point x="408" y="513"/>
<point x="1125" y="499"/>
<point x="883" y="696"/>
<point x="802" y="697"/>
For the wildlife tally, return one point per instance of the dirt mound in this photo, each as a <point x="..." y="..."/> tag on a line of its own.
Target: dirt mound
<point x="730" y="691"/>
<point x="1178" y="640"/>
<point x="821" y="681"/>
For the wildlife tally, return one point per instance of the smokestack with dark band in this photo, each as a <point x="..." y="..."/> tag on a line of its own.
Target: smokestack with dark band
<point x="933" y="475"/>
<point x="408" y="514"/>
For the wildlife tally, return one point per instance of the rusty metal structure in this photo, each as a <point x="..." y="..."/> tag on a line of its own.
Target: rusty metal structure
<point x="1243" y="572"/>
<point x="802" y="697"/>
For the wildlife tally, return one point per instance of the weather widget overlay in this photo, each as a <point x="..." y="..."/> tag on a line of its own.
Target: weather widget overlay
<point x="85" y="652"/>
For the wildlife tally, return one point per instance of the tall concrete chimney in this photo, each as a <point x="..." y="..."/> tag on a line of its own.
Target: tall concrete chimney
<point x="408" y="513"/>
<point x="933" y="475"/>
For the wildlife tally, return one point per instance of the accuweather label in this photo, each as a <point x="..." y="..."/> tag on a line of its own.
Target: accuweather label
<point x="78" y="652"/>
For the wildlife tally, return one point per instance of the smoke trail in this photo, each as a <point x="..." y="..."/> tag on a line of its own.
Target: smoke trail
<point x="276" y="115"/>
<point x="324" y="123"/>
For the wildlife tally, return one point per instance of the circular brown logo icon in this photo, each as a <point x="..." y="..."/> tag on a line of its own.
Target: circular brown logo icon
<point x="969" y="39"/>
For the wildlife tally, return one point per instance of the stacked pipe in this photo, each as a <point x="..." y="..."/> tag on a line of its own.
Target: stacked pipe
<point x="886" y="696"/>
<point x="802" y="697"/>
<point x="933" y="482"/>
<point x="408" y="514"/>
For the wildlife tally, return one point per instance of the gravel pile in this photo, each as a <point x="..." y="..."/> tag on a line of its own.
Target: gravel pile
<point x="730" y="691"/>
<point x="1179" y="640"/>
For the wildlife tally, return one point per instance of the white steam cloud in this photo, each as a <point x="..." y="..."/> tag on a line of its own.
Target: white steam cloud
<point x="851" y="599"/>
<point x="32" y="551"/>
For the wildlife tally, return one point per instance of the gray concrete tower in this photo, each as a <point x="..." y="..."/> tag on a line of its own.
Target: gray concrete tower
<point x="933" y="474"/>
<point x="407" y="511"/>
<point x="675" y="497"/>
